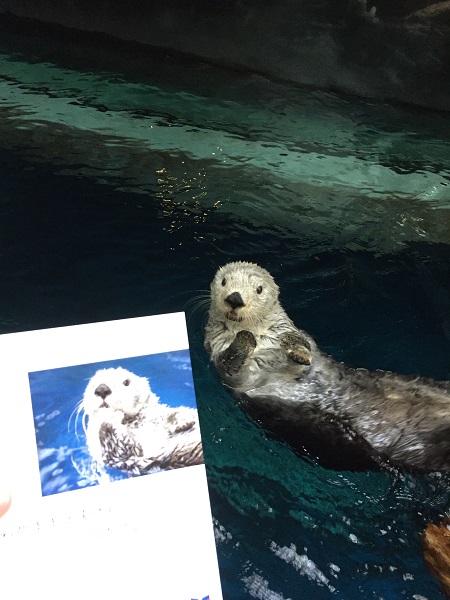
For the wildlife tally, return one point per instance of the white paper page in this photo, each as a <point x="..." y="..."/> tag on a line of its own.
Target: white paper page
<point x="99" y="532"/>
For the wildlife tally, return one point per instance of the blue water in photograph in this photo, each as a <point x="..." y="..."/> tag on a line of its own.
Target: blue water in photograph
<point x="128" y="176"/>
<point x="64" y="460"/>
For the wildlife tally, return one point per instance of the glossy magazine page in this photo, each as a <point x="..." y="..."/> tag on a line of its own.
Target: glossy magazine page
<point x="100" y="448"/>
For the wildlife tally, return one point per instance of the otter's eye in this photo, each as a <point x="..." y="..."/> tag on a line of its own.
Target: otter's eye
<point x="259" y="289"/>
<point x="126" y="382"/>
<point x="224" y="281"/>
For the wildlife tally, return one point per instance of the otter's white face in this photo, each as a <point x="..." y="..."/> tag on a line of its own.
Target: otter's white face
<point x="243" y="293"/>
<point x="117" y="390"/>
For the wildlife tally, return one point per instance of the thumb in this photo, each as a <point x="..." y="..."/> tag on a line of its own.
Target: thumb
<point x="5" y="501"/>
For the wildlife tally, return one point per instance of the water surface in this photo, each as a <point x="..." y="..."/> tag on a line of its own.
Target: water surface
<point x="129" y="175"/>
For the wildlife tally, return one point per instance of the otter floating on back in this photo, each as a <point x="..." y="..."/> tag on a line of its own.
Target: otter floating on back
<point x="128" y="428"/>
<point x="361" y="418"/>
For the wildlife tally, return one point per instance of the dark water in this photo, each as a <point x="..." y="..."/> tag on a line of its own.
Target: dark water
<point x="127" y="177"/>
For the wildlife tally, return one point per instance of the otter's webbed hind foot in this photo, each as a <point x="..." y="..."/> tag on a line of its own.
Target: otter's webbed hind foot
<point x="232" y="359"/>
<point x="297" y="348"/>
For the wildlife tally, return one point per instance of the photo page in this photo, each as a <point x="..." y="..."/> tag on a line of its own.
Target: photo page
<point x="101" y="451"/>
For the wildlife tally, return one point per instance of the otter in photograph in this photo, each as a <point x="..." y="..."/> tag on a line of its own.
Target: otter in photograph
<point x="128" y="428"/>
<point x="355" y="418"/>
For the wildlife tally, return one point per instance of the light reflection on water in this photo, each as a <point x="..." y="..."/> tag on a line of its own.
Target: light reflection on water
<point x="126" y="182"/>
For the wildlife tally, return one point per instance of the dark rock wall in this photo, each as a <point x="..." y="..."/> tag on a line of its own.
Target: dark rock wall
<point x="387" y="49"/>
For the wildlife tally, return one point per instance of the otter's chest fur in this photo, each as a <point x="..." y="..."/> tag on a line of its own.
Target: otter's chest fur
<point x="220" y="334"/>
<point x="267" y="357"/>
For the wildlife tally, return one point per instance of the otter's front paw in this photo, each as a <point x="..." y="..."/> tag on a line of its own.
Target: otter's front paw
<point x="117" y="447"/>
<point x="234" y="356"/>
<point x="246" y="339"/>
<point x="297" y="348"/>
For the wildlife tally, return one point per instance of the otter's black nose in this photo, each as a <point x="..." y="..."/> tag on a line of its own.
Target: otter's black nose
<point x="102" y="390"/>
<point x="235" y="300"/>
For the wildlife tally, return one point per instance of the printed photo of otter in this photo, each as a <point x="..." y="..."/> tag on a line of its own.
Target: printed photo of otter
<point x="113" y="420"/>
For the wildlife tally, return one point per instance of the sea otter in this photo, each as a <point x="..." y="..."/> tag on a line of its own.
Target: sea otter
<point x="128" y="428"/>
<point x="347" y="417"/>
